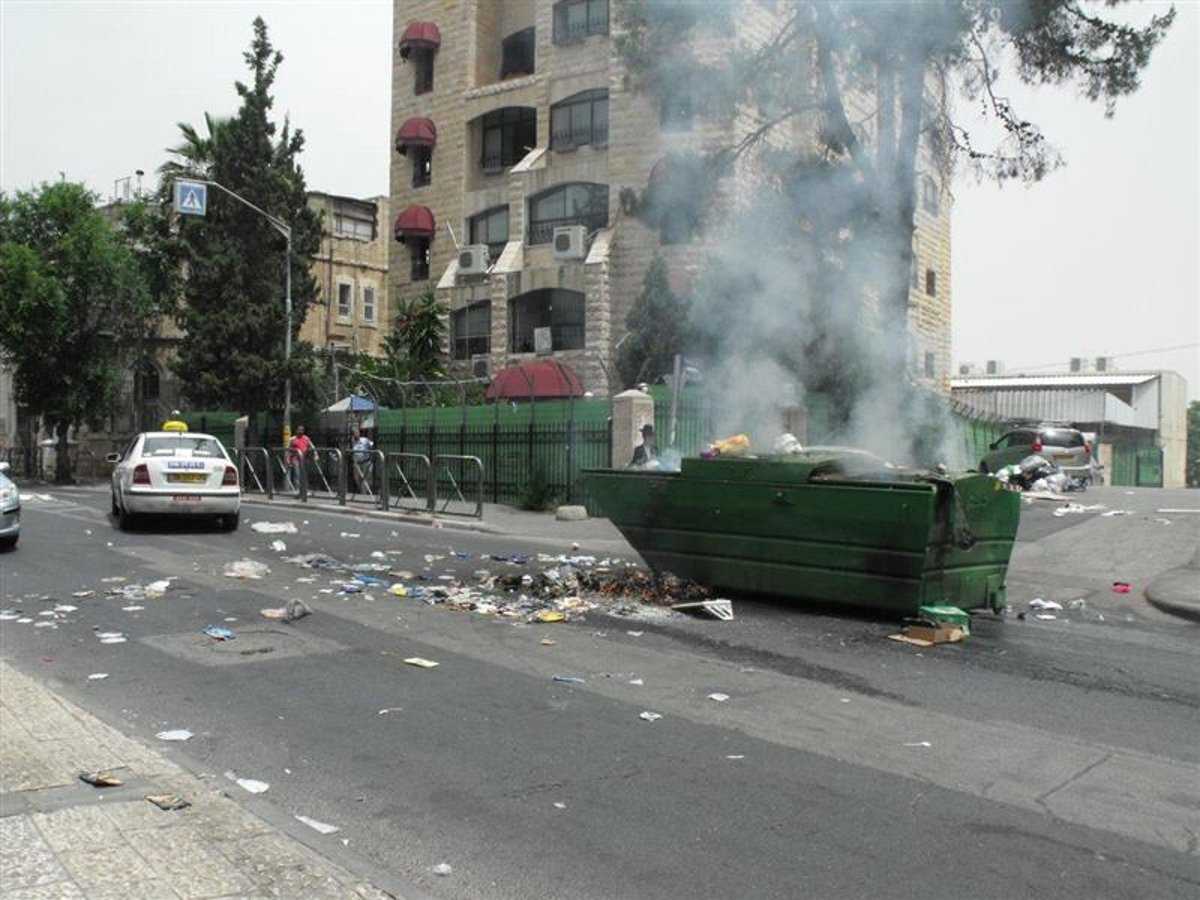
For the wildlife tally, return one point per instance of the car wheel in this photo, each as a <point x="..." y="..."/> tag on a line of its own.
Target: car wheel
<point x="116" y="510"/>
<point x="230" y="522"/>
<point x="9" y="542"/>
<point x="125" y="520"/>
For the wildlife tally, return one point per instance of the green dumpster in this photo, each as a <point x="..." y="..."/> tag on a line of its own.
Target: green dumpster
<point x="831" y="526"/>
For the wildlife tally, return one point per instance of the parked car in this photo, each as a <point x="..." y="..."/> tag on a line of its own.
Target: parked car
<point x="1061" y="445"/>
<point x="175" y="473"/>
<point x="10" y="509"/>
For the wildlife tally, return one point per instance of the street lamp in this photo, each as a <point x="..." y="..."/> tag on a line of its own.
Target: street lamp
<point x="286" y="231"/>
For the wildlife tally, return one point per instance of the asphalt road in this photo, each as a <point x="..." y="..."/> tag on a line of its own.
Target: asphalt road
<point x="1041" y="758"/>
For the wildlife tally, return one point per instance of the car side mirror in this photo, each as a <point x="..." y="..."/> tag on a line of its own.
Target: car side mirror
<point x="113" y="457"/>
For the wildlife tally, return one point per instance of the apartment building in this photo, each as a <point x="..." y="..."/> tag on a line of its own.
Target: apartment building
<point x="516" y="129"/>
<point x="352" y="313"/>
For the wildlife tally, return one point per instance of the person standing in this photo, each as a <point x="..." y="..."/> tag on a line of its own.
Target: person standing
<point x="645" y="452"/>
<point x="299" y="448"/>
<point x="362" y="446"/>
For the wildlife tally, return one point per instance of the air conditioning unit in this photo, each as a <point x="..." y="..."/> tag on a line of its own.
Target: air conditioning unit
<point x="994" y="367"/>
<point x="473" y="259"/>
<point x="570" y="242"/>
<point x="1080" y="364"/>
<point x="479" y="365"/>
<point x="965" y="369"/>
<point x="1104" y="364"/>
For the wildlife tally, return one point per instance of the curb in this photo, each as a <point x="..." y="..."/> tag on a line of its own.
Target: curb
<point x="380" y="515"/>
<point x="1177" y="591"/>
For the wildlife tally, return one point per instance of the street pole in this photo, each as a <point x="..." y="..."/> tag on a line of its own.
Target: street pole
<point x="286" y="231"/>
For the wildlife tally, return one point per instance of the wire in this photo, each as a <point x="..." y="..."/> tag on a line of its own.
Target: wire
<point x="1055" y="365"/>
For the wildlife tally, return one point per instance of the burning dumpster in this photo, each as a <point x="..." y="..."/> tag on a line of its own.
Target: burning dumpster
<point x="831" y="526"/>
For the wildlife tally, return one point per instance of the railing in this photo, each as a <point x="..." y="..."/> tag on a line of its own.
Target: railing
<point x="252" y="478"/>
<point x="394" y="472"/>
<point x="364" y="474"/>
<point x="444" y="467"/>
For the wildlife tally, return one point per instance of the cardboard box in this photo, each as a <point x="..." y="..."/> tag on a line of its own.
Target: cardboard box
<point x="926" y="634"/>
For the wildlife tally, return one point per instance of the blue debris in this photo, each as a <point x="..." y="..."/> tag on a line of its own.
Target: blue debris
<point x="219" y="633"/>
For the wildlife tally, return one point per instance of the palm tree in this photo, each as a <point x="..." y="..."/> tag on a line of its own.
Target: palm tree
<point x="198" y="153"/>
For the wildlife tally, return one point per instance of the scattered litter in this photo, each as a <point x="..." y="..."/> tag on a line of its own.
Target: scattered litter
<point x="719" y="697"/>
<point x="97" y="676"/>
<point x="316" y="561"/>
<point x="274" y="527"/>
<point x="1116" y="512"/>
<point x="422" y="663"/>
<point x="322" y="827"/>
<point x="637" y="681"/>
<point x="559" y="805"/>
<point x="718" y="609"/>
<point x="158" y="588"/>
<point x="1046" y="617"/>
<point x="1039" y="603"/>
<point x="45" y="625"/>
<point x="279" y="546"/>
<point x="378" y="554"/>
<point x="635" y="633"/>
<point x="1120" y="587"/>
<point x="7" y="615"/>
<point x="86" y="593"/>
<point x="371" y="580"/>
<point x="178" y="734"/>
<point x="168" y="801"/>
<point x="1074" y="508"/>
<point x="246" y="568"/>
<point x="220" y="633"/>
<point x="568" y="679"/>
<point x="443" y="869"/>
<point x="100" y="779"/>
<point x="549" y="615"/>
<point x="735" y="756"/>
<point x="295" y="609"/>
<point x="844" y="700"/>
<point x="350" y="534"/>
<point x="650" y="716"/>
<point x="389" y="709"/>
<point x="24" y="620"/>
<point x="918" y="744"/>
<point x="926" y="633"/>
<point x="113" y="578"/>
<point x="1077" y="604"/>
<point x="398" y="590"/>
<point x="65" y="608"/>
<point x="47" y="612"/>
<point x="252" y="785"/>
<point x="110" y="637"/>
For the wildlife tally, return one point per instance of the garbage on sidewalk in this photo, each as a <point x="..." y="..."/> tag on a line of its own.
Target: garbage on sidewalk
<point x="649" y="716"/>
<point x="100" y="779"/>
<point x="1121" y="587"/>
<point x="253" y="785"/>
<point x="1037" y="475"/>
<point x="421" y="662"/>
<point x="168" y="802"/>
<point x="274" y="527"/>
<point x="219" y="633"/>
<point x="293" y="610"/>
<point x="176" y="734"/>
<point x="321" y="827"/>
<point x="1038" y="604"/>
<point x="937" y="625"/>
<point x="718" y="609"/>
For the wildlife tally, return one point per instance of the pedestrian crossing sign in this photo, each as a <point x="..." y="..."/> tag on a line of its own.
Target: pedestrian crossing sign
<point x="191" y="198"/>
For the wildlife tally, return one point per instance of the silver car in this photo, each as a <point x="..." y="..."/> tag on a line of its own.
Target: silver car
<point x="1061" y="445"/>
<point x="175" y="473"/>
<point x="10" y="509"/>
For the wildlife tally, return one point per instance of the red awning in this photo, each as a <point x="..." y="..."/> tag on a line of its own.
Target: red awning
<point x="536" y="380"/>
<point x="416" y="133"/>
<point x="415" y="221"/>
<point x="419" y="34"/>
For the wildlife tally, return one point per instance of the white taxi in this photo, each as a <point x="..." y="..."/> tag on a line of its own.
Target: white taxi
<point x="175" y="473"/>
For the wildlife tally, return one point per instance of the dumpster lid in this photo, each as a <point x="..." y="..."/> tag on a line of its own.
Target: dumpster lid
<point x="813" y="464"/>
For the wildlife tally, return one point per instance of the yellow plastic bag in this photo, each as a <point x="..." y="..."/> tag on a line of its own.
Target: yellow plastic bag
<point x="734" y="445"/>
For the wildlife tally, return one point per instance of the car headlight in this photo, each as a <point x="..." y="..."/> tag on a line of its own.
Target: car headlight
<point x="8" y="494"/>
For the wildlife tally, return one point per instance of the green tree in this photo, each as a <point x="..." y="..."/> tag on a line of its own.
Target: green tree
<point x="873" y="83"/>
<point x="657" y="324"/>
<point x="74" y="294"/>
<point x="1193" y="444"/>
<point x="233" y="312"/>
<point x="415" y="349"/>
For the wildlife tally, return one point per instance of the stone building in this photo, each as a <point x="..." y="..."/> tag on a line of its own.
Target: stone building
<point x="516" y="129"/>
<point x="352" y="314"/>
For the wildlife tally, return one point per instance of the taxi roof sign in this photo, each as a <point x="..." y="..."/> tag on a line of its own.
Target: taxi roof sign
<point x="191" y="198"/>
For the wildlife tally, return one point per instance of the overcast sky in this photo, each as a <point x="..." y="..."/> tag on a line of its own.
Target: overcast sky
<point x="1100" y="259"/>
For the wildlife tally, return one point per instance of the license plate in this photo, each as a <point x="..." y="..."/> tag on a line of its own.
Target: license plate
<point x="189" y="477"/>
<point x="186" y="498"/>
<point x="1063" y="457"/>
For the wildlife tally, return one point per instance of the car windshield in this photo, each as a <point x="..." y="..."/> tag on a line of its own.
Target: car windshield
<point x="182" y="445"/>
<point x="1062" y="437"/>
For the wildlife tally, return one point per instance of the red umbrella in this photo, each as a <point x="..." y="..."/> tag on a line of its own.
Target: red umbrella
<point x="537" y="380"/>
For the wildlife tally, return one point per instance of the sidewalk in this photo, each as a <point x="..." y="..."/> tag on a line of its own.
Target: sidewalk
<point x="1177" y="591"/>
<point x="61" y="838"/>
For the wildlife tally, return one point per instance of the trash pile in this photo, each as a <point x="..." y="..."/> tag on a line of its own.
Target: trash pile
<point x="1038" y="475"/>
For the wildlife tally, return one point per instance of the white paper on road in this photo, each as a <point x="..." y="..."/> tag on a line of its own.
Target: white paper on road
<point x="97" y="676"/>
<point x="278" y="546"/>
<point x="1039" y="603"/>
<point x="253" y="785"/>
<point x="176" y="734"/>
<point x="274" y="527"/>
<point x="719" y="697"/>
<point x="322" y="827"/>
<point x="650" y="716"/>
<point x="246" y="568"/>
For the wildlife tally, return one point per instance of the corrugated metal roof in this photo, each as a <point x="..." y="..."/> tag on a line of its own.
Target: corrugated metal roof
<point x="1075" y="380"/>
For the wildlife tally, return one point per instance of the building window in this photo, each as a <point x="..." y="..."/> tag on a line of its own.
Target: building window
<point x="930" y="197"/>
<point x="471" y="330"/>
<point x="368" y="304"/>
<point x="418" y="256"/>
<point x="579" y="120"/>
<point x="914" y="269"/>
<point x="508" y="134"/>
<point x="422" y="162"/>
<point x="930" y="364"/>
<point x="422" y="60"/>
<point x="516" y="54"/>
<point x="489" y="227"/>
<point x="578" y="203"/>
<point x="931" y="282"/>
<point x="345" y="300"/>
<point x="574" y="20"/>
<point x="354" y="227"/>
<point x="559" y="310"/>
